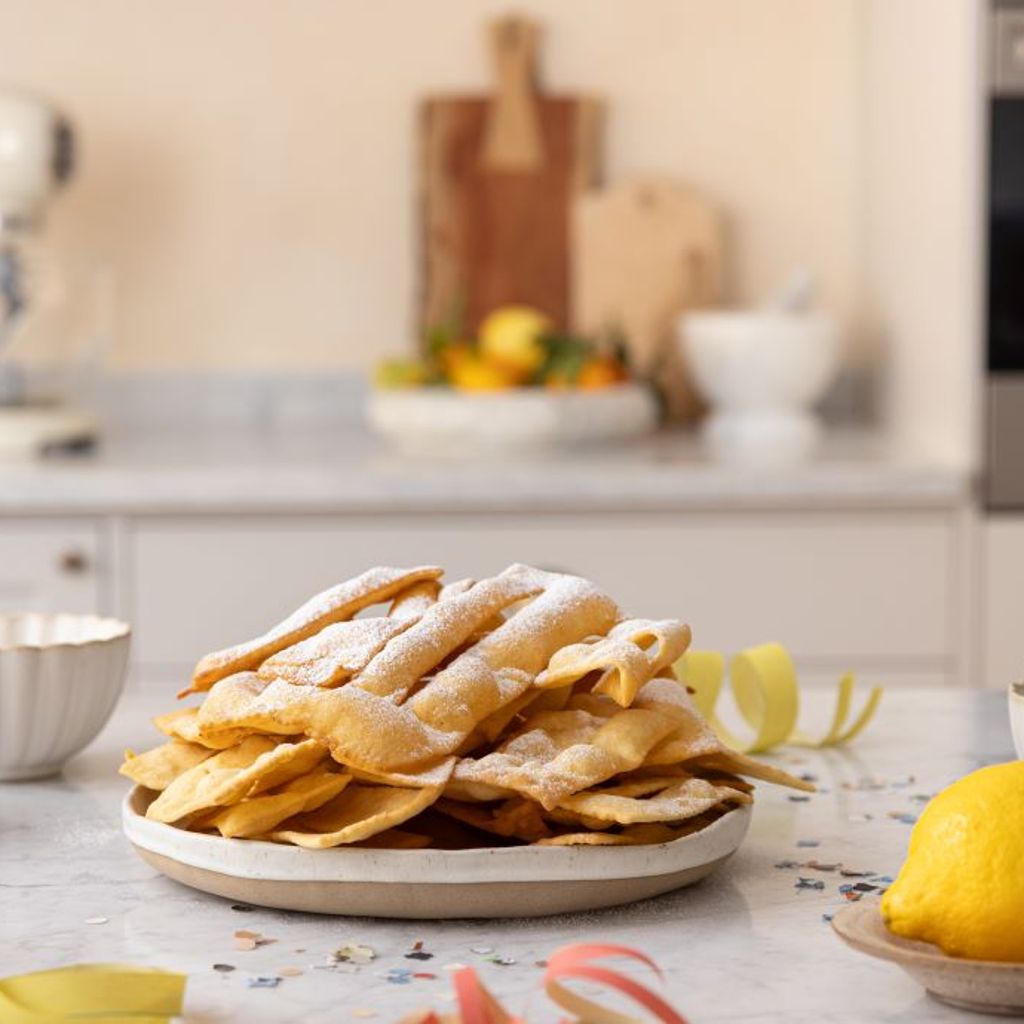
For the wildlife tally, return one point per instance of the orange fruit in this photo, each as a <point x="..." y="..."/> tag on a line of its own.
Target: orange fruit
<point x="469" y="372"/>
<point x="600" y="372"/>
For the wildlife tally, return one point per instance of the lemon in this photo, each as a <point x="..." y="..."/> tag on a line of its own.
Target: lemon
<point x="467" y="371"/>
<point x="962" y="886"/>
<point x="511" y="336"/>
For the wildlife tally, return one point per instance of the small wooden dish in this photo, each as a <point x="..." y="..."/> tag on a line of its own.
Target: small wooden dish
<point x="984" y="986"/>
<point x="511" y="881"/>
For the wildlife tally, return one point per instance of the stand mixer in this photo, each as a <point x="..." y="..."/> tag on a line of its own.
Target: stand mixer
<point x="36" y="159"/>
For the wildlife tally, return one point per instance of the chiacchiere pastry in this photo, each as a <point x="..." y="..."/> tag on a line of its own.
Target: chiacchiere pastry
<point x="524" y="708"/>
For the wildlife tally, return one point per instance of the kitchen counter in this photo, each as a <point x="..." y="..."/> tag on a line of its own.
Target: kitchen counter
<point x="341" y="469"/>
<point x="745" y="945"/>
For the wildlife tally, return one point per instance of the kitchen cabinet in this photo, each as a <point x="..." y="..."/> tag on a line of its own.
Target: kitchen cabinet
<point x="872" y="591"/>
<point x="54" y="565"/>
<point x="1002" y="566"/>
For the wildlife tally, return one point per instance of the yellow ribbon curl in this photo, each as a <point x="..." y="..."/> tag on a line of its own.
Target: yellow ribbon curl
<point x="94" y="994"/>
<point x="767" y="694"/>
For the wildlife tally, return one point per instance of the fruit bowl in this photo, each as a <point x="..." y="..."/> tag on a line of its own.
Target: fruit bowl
<point x="443" y="421"/>
<point x="984" y="986"/>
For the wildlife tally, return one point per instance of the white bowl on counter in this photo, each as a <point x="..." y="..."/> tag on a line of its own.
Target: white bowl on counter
<point x="442" y="421"/>
<point x="60" y="678"/>
<point x="1016" y="698"/>
<point x="762" y="373"/>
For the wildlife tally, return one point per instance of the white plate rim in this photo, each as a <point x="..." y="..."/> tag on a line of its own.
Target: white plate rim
<point x="258" y="860"/>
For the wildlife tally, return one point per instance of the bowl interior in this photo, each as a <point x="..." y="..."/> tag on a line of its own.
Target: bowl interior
<point x="39" y="630"/>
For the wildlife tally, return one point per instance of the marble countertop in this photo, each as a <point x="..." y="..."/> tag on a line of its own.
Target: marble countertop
<point x="745" y="945"/>
<point x="221" y="469"/>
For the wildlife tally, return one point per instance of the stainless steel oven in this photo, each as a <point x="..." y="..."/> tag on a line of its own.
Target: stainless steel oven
<point x="1004" y="486"/>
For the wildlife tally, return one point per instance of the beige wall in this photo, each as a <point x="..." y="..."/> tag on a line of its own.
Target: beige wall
<point x="247" y="164"/>
<point x="923" y="232"/>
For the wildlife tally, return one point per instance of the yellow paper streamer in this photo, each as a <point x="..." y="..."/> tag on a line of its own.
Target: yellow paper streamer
<point x="767" y="694"/>
<point x="94" y="993"/>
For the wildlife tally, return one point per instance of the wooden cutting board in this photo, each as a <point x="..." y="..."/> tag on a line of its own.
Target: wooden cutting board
<point x="645" y="252"/>
<point x="498" y="178"/>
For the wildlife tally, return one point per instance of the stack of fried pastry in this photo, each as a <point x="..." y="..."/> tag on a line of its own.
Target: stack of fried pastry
<point x="525" y="708"/>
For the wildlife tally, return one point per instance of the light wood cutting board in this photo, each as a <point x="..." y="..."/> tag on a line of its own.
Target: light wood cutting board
<point x="644" y="252"/>
<point x="499" y="175"/>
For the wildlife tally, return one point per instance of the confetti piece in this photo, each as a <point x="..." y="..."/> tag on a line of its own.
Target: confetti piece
<point x="245" y="945"/>
<point x="399" y="976"/>
<point x="808" y="883"/>
<point x="224" y="968"/>
<point x="798" y="798"/>
<point x="827" y="918"/>
<point x="808" y="777"/>
<point x="906" y="819"/>
<point x="289" y="972"/>
<point x="808" y="843"/>
<point x="416" y="946"/>
<point x="364" y="1011"/>
<point x="503" y="961"/>
<point x="419" y="954"/>
<point x="242" y="908"/>
<point x="99" y="919"/>
<point x="921" y="798"/>
<point x="263" y="981"/>
<point x="355" y="954"/>
<point x="540" y="963"/>
<point x="424" y="974"/>
<point x="816" y="865"/>
<point x="481" y="950"/>
<point x="787" y="864"/>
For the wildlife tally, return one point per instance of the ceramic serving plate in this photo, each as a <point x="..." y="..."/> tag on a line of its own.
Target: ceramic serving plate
<point x="512" y="881"/>
<point x="985" y="986"/>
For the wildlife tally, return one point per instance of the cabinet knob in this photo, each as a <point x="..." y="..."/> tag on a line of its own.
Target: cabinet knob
<point x="73" y="561"/>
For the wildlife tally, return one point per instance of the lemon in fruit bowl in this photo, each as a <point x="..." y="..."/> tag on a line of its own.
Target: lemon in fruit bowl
<point x="513" y="337"/>
<point x="962" y="885"/>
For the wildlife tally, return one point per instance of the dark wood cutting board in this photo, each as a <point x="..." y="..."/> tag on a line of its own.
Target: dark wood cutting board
<point x="499" y="177"/>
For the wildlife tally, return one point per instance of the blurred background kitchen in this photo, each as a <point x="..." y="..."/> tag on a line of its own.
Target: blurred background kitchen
<point x="687" y="295"/>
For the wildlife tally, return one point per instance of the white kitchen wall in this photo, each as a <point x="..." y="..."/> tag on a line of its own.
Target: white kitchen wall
<point x="922" y="157"/>
<point x="248" y="164"/>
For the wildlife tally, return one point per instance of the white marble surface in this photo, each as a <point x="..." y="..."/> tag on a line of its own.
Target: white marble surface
<point x="743" y="946"/>
<point x="224" y="468"/>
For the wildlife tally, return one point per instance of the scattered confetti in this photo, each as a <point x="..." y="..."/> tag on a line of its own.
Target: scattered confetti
<point x="827" y="918"/>
<point x="419" y="954"/>
<point x="809" y="883"/>
<point x="416" y="946"/>
<point x="263" y="981"/>
<point x="799" y="798"/>
<point x="99" y="919"/>
<point x="901" y="816"/>
<point x="354" y="954"/>
<point x="808" y="777"/>
<point x="503" y="961"/>
<point x="424" y="974"/>
<point x="854" y="892"/>
<point x="242" y="908"/>
<point x="921" y="798"/>
<point x="540" y="963"/>
<point x="481" y="950"/>
<point x="224" y="968"/>
<point x="785" y="865"/>
<point x="289" y="972"/>
<point x="399" y="976"/>
<point x="808" y="843"/>
<point x="851" y="873"/>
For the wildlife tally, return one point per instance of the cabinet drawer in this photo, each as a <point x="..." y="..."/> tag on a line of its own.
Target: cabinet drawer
<point x="51" y="566"/>
<point x="835" y="588"/>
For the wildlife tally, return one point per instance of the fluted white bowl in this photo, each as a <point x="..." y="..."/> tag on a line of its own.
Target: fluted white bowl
<point x="60" y="678"/>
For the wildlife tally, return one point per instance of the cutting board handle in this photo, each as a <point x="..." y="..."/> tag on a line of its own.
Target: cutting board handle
<point x="512" y="135"/>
